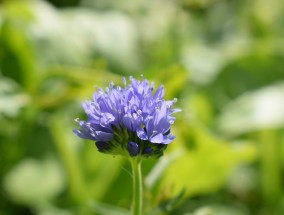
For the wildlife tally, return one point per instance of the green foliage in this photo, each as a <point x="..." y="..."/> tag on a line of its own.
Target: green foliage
<point x="223" y="61"/>
<point x="45" y="177"/>
<point x="210" y="157"/>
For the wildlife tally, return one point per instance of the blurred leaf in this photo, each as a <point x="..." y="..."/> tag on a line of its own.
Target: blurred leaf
<point x="32" y="181"/>
<point x="206" y="168"/>
<point x="17" y="54"/>
<point x="11" y="98"/>
<point x="169" y="205"/>
<point x="173" y="77"/>
<point x="40" y="42"/>
<point x="99" y="178"/>
<point x="68" y="153"/>
<point x="111" y="35"/>
<point x="255" y="110"/>
<point x="103" y="209"/>
<point x="64" y="84"/>
<point x="49" y="209"/>
<point x="88" y="176"/>
<point x="201" y="71"/>
<point x="259" y="66"/>
<point x="218" y="210"/>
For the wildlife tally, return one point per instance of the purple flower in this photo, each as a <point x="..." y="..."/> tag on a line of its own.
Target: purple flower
<point x="132" y="120"/>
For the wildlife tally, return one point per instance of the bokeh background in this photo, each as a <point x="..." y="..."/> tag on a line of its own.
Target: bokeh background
<point x="222" y="59"/>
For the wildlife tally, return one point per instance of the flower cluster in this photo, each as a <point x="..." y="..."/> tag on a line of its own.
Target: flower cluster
<point x="131" y="121"/>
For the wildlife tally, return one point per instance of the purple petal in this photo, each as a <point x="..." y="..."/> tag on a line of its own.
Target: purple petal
<point x="82" y="135"/>
<point x="127" y="121"/>
<point x="79" y="133"/>
<point x="163" y="125"/>
<point x="142" y="134"/>
<point x="107" y="118"/>
<point x="158" y="138"/>
<point x="168" y="139"/>
<point x="160" y="92"/>
<point x="103" y="136"/>
<point x="150" y="127"/>
<point x="161" y="113"/>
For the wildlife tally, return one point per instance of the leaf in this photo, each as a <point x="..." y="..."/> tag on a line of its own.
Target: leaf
<point x="206" y="168"/>
<point x="168" y="205"/>
<point x="103" y="209"/>
<point x="219" y="210"/>
<point x="11" y="99"/>
<point x="255" y="110"/>
<point x="33" y="181"/>
<point x="247" y="66"/>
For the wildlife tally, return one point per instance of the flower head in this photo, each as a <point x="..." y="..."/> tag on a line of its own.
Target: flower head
<point x="132" y="120"/>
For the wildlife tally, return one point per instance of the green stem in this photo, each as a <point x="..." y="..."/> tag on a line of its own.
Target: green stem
<point x="137" y="186"/>
<point x="271" y="167"/>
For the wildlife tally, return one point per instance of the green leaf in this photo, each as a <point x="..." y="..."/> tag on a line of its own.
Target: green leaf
<point x="204" y="169"/>
<point x="218" y="210"/>
<point x="168" y="205"/>
<point x="33" y="181"/>
<point x="11" y="98"/>
<point x="254" y="110"/>
<point x="103" y="209"/>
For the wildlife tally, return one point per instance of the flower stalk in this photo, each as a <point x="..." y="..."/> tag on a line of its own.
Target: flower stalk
<point x="137" y="200"/>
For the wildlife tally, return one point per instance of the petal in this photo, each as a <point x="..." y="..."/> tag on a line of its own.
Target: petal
<point x="159" y="94"/>
<point x="163" y="125"/>
<point x="103" y="136"/>
<point x="160" y="113"/>
<point x="175" y="110"/>
<point x="97" y="127"/>
<point x="127" y="121"/>
<point x="83" y="135"/>
<point x="150" y="127"/>
<point x="158" y="138"/>
<point x="107" y="118"/>
<point x="168" y="139"/>
<point x="142" y="134"/>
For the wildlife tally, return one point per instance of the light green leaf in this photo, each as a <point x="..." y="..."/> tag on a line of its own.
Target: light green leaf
<point x="103" y="209"/>
<point x="11" y="99"/>
<point x="206" y="168"/>
<point x="218" y="210"/>
<point x="32" y="181"/>
<point x="255" y="110"/>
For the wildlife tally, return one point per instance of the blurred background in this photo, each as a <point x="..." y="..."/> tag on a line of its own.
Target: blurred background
<point x="222" y="59"/>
